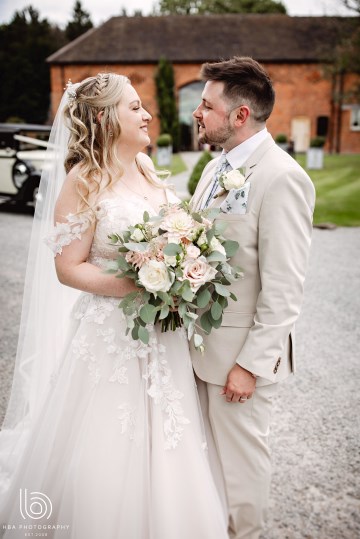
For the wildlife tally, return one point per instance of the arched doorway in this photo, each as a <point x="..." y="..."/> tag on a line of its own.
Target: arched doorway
<point x="189" y="99"/>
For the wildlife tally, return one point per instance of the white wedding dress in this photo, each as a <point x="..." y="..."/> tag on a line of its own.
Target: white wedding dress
<point x="119" y="447"/>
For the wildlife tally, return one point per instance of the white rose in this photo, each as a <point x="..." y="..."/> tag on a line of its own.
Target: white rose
<point x="173" y="239"/>
<point x="198" y="272"/>
<point x="192" y="251"/>
<point x="233" y="180"/>
<point x="215" y="245"/>
<point x="202" y="239"/>
<point x="137" y="235"/>
<point x="178" y="224"/>
<point x="170" y="260"/>
<point x="154" y="276"/>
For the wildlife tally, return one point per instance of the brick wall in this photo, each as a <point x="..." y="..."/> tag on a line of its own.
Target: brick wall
<point x="302" y="91"/>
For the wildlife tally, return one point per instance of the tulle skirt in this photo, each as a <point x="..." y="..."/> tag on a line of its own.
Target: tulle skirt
<point x="118" y="450"/>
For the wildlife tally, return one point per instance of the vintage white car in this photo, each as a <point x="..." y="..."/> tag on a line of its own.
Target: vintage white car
<point x="22" y="158"/>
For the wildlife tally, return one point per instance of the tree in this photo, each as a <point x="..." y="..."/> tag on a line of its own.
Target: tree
<point x="80" y="22"/>
<point x="25" y="43"/>
<point x="165" y="95"/>
<point x="353" y="5"/>
<point x="196" y="7"/>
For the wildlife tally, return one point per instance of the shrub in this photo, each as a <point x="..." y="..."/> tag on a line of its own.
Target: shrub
<point x="317" y="142"/>
<point x="197" y="171"/>
<point x="281" y="138"/>
<point x="164" y="140"/>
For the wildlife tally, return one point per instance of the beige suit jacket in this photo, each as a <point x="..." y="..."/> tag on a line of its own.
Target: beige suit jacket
<point x="257" y="330"/>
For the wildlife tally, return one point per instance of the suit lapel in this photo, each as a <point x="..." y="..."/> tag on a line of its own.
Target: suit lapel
<point x="204" y="184"/>
<point x="257" y="155"/>
<point x="250" y="167"/>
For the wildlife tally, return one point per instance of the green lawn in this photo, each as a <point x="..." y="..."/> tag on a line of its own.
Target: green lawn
<point x="337" y="189"/>
<point x="177" y="164"/>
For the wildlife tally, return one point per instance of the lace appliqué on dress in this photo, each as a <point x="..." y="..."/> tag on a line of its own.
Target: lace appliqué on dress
<point x="82" y="349"/>
<point x="93" y="308"/>
<point x="64" y="233"/>
<point x="165" y="395"/>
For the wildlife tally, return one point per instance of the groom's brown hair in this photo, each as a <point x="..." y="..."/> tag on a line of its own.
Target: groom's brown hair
<point x="244" y="79"/>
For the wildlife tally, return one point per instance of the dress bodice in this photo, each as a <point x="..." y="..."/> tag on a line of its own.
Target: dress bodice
<point x="111" y="215"/>
<point x="114" y="215"/>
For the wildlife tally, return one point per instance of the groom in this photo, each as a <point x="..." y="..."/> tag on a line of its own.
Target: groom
<point x="271" y="218"/>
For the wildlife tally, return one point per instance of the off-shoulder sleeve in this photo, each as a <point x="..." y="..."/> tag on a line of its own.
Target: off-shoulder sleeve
<point x="72" y="229"/>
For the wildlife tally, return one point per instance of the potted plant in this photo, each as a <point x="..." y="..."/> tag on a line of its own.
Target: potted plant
<point x="315" y="153"/>
<point x="164" y="150"/>
<point x="282" y="141"/>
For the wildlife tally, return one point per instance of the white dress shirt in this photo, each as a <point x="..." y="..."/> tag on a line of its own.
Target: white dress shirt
<point x="238" y="156"/>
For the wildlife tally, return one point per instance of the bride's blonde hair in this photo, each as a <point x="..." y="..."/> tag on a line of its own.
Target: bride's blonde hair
<point x="93" y="136"/>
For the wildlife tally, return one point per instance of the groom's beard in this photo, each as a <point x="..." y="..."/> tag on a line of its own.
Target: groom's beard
<point x="217" y="137"/>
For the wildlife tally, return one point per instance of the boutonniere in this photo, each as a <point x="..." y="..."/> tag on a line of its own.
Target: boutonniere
<point x="234" y="179"/>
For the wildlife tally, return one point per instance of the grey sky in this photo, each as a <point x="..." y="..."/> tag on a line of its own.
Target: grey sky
<point x="60" y="11"/>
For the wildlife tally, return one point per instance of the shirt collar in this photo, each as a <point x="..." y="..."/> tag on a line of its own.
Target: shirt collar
<point x="238" y="156"/>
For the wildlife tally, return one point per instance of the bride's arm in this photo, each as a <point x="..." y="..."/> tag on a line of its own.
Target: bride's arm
<point x="71" y="265"/>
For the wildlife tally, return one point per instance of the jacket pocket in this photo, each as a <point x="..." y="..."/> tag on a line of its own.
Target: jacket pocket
<point x="237" y="319"/>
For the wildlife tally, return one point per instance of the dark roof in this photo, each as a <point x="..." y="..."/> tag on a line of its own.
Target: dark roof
<point x="198" y="38"/>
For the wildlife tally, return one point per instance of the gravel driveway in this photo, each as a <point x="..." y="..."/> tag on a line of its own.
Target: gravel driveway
<point x="315" y="434"/>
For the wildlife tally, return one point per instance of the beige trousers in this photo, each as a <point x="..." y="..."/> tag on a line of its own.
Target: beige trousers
<point x="240" y="433"/>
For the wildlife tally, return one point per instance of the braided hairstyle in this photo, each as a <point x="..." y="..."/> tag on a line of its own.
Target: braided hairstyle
<point x="92" y="142"/>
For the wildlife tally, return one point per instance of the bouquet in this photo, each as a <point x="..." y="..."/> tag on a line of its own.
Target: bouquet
<point x="179" y="261"/>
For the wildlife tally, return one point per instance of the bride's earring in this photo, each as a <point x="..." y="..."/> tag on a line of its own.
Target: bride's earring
<point x="111" y="134"/>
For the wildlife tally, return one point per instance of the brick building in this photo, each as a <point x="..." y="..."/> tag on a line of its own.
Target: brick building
<point x="296" y="52"/>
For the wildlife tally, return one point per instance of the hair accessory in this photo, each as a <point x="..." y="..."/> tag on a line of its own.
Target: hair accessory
<point x="71" y="91"/>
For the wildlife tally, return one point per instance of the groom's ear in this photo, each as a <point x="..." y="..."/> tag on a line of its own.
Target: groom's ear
<point x="242" y="113"/>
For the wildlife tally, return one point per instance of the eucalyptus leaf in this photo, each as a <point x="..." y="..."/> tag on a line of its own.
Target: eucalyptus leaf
<point x="166" y="298"/>
<point x="220" y="227"/>
<point x="122" y="264"/>
<point x="216" y="310"/>
<point x="143" y="335"/>
<point x="205" y="322"/>
<point x="172" y="249"/>
<point x="186" y="292"/>
<point x="233" y="297"/>
<point x="231" y="247"/>
<point x="222" y="290"/>
<point x="215" y="323"/>
<point x="198" y="340"/>
<point x="216" y="256"/>
<point x="202" y="300"/>
<point x="197" y="217"/>
<point x="146" y="217"/>
<point x="138" y="247"/>
<point x="190" y="331"/>
<point x="210" y="234"/>
<point x="148" y="313"/>
<point x="164" y="312"/>
<point x="182" y="308"/>
<point x="135" y="332"/>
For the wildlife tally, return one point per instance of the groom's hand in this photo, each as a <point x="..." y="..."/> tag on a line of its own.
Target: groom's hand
<point x="240" y="385"/>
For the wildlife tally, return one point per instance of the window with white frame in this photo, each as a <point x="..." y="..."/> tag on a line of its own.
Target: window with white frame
<point x="355" y="118"/>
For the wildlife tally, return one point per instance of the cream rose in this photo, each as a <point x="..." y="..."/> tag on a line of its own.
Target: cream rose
<point x="154" y="276"/>
<point x="137" y="235"/>
<point x="233" y="180"/>
<point x="178" y="224"/>
<point x="170" y="260"/>
<point x="215" y="245"/>
<point x="192" y="251"/>
<point x="198" y="272"/>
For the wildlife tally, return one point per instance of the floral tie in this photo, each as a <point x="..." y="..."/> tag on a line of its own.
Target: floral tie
<point x="223" y="166"/>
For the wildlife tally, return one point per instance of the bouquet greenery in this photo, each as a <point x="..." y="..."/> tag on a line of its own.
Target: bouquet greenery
<point x="180" y="262"/>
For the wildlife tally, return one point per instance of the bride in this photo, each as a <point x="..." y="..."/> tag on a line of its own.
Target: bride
<point x="103" y="436"/>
